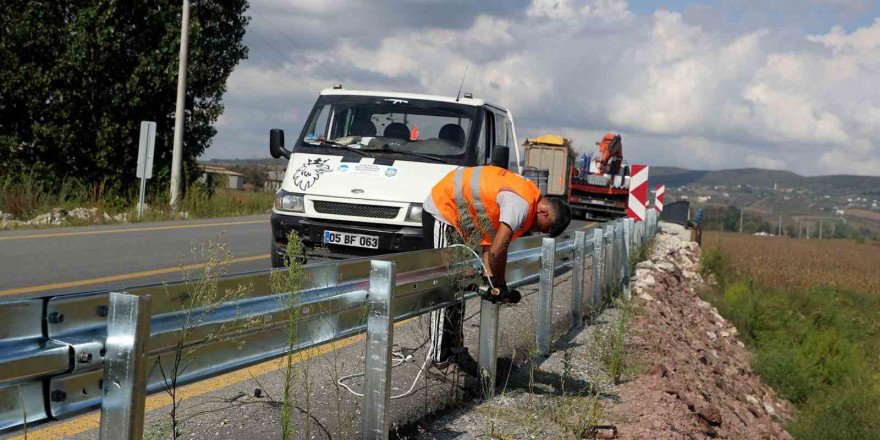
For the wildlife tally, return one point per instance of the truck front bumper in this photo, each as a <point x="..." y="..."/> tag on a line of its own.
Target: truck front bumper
<point x="392" y="238"/>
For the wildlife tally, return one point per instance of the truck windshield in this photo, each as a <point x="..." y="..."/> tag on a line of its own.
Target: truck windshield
<point x="432" y="128"/>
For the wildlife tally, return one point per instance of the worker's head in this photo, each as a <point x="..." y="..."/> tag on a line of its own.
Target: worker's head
<point x="551" y="217"/>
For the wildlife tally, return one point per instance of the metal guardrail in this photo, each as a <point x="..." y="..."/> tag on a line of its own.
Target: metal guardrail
<point x="55" y="352"/>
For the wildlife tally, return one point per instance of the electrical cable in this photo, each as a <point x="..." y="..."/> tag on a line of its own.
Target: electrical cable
<point x="400" y="358"/>
<point x="320" y="63"/>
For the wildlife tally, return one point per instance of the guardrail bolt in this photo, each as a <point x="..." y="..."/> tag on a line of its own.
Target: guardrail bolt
<point x="56" y="317"/>
<point x="85" y="357"/>
<point x="59" y="396"/>
<point x="103" y="311"/>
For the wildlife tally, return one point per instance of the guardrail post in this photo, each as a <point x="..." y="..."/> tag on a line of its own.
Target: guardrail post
<point x="618" y="260"/>
<point x="608" y="261"/>
<point x="598" y="255"/>
<point x="577" y="279"/>
<point x="627" y="237"/>
<point x="488" y="354"/>
<point x="125" y="367"/>
<point x="380" y="337"/>
<point x="545" y="295"/>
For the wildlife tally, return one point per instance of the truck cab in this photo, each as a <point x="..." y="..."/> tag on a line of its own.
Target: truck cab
<point x="366" y="160"/>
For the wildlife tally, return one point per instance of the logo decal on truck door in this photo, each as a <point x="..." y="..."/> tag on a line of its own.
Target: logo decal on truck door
<point x="309" y="173"/>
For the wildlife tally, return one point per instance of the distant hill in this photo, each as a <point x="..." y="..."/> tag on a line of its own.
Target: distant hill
<point x="757" y="177"/>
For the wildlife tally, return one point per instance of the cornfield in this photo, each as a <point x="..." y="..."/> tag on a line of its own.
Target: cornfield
<point x="783" y="262"/>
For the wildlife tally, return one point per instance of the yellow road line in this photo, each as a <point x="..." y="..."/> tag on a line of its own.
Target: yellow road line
<point x="127" y="276"/>
<point x="116" y="231"/>
<point x="156" y="401"/>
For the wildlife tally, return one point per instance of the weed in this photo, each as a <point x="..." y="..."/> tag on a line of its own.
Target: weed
<point x="290" y="281"/>
<point x="609" y="345"/>
<point x="202" y="296"/>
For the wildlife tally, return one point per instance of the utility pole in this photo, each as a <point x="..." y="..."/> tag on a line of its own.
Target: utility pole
<point x="820" y="229"/>
<point x="741" y="213"/>
<point x="177" y="153"/>
<point x="780" y="226"/>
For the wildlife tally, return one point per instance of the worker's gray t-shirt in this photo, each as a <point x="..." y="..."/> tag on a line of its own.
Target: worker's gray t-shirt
<point x="513" y="207"/>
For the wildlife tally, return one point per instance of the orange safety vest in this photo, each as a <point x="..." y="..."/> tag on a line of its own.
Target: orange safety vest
<point x="477" y="188"/>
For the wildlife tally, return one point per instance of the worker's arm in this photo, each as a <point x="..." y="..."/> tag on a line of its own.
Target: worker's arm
<point x="495" y="254"/>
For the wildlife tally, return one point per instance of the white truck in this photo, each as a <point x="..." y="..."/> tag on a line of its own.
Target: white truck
<point x="366" y="160"/>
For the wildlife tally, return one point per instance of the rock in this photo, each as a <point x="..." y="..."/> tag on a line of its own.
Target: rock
<point x="646" y="297"/>
<point x="711" y="336"/>
<point x="665" y="266"/>
<point x="121" y="217"/>
<point x="769" y="408"/>
<point x="6" y="217"/>
<point x="659" y="370"/>
<point x="87" y="214"/>
<point x="753" y="400"/>
<point x="711" y="414"/>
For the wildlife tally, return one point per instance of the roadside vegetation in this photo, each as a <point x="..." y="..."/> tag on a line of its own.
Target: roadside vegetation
<point x="26" y="203"/>
<point x="808" y="310"/>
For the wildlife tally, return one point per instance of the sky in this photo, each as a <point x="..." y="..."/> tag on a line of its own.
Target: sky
<point x="781" y="84"/>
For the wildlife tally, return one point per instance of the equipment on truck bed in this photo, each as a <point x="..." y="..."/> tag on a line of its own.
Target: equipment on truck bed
<point x="596" y="189"/>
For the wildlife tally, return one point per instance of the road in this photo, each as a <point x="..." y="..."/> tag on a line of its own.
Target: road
<point x="70" y="260"/>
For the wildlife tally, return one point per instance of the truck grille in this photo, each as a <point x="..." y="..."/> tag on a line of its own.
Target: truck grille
<point x="355" y="210"/>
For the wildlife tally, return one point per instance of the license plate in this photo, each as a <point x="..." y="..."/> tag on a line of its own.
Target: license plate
<point x="346" y="239"/>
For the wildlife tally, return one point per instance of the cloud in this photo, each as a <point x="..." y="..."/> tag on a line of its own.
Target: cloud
<point x="687" y="89"/>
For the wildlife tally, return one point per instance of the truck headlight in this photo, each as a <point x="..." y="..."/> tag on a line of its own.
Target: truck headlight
<point x="414" y="213"/>
<point x="288" y="201"/>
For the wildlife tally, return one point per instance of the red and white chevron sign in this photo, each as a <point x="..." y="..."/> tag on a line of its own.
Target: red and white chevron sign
<point x="658" y="199"/>
<point x="638" y="192"/>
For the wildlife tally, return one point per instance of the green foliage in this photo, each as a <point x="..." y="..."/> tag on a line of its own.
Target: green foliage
<point x="817" y="347"/>
<point x="78" y="77"/>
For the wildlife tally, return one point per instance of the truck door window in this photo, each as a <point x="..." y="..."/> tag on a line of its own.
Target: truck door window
<point x="490" y="132"/>
<point x="482" y="151"/>
<point x="501" y="130"/>
<point x="320" y="121"/>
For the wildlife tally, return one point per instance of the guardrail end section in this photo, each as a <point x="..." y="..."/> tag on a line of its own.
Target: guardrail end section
<point x="125" y="367"/>
<point x="375" y="419"/>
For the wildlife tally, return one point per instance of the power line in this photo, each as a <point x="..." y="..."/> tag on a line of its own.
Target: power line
<point x="280" y="32"/>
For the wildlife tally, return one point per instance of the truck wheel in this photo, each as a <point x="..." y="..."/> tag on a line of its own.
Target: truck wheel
<point x="277" y="260"/>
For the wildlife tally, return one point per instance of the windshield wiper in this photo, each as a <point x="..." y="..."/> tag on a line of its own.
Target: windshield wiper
<point x="392" y="150"/>
<point x="337" y="145"/>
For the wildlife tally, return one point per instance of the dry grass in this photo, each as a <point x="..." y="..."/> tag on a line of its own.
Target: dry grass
<point x="788" y="262"/>
<point x="863" y="213"/>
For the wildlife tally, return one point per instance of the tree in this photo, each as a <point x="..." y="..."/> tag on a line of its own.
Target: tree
<point x="78" y="76"/>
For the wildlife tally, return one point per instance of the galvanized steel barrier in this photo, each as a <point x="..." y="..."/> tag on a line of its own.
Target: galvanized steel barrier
<point x="62" y="355"/>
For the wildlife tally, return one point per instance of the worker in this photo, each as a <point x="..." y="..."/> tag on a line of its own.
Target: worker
<point x="489" y="207"/>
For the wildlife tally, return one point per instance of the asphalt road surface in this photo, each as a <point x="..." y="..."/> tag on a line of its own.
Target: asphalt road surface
<point x="68" y="260"/>
<point x="39" y="262"/>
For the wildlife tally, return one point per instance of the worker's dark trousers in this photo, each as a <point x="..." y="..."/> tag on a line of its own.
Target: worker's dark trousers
<point x="446" y="328"/>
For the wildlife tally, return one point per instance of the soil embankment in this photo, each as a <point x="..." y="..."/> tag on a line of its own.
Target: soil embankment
<point x="700" y="383"/>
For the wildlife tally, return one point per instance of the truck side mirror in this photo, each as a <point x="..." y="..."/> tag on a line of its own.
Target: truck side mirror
<point x="276" y="144"/>
<point x="501" y="156"/>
